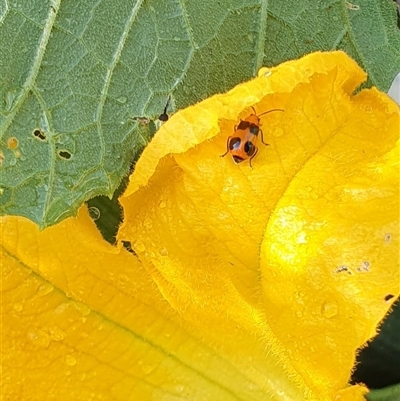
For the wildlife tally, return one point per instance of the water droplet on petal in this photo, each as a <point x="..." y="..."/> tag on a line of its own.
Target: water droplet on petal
<point x="70" y="360"/>
<point x="83" y="309"/>
<point x="56" y="333"/>
<point x="179" y="389"/>
<point x="163" y="252"/>
<point x="139" y="246"/>
<point x="44" y="289"/>
<point x="147" y="369"/>
<point x="148" y="223"/>
<point x="18" y="307"/>
<point x="264" y="72"/>
<point x="329" y="309"/>
<point x="277" y="132"/>
<point x="61" y="308"/>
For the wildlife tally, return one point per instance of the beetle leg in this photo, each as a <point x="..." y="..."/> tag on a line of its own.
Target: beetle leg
<point x="227" y="147"/>
<point x="262" y="138"/>
<point x="252" y="157"/>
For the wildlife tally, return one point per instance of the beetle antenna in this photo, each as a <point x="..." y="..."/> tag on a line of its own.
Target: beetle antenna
<point x="254" y="110"/>
<point x="269" y="111"/>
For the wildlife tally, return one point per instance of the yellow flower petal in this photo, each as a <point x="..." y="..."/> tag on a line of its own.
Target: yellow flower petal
<point x="197" y="221"/>
<point x="330" y="253"/>
<point x="82" y="320"/>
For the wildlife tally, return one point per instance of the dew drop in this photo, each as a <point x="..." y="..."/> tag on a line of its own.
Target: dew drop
<point x="162" y="204"/>
<point x="61" y="308"/>
<point x="139" y="246"/>
<point x="44" y="289"/>
<point x="163" y="252"/>
<point x="94" y="213"/>
<point x="32" y="335"/>
<point x="147" y="369"/>
<point x="40" y="338"/>
<point x="122" y="99"/>
<point x="299" y="297"/>
<point x="278" y="132"/>
<point x="18" y="307"/>
<point x="179" y="389"/>
<point x="70" y="360"/>
<point x="264" y="72"/>
<point x="329" y="309"/>
<point x="148" y="223"/>
<point x="56" y="333"/>
<point x="83" y="309"/>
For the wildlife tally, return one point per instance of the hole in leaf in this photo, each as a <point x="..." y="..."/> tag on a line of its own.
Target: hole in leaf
<point x="39" y="134"/>
<point x="64" y="154"/>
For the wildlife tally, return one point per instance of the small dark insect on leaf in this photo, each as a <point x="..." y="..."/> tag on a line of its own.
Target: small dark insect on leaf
<point x="164" y="116"/>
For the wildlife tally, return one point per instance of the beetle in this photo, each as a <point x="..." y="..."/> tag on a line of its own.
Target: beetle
<point x="243" y="144"/>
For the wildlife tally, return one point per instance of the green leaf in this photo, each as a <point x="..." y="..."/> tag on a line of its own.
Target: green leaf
<point x="378" y="363"/>
<point x="367" y="30"/>
<point x="391" y="393"/>
<point x="80" y="81"/>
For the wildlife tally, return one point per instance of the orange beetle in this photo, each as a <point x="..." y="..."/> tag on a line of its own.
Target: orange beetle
<point x="243" y="144"/>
